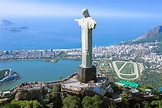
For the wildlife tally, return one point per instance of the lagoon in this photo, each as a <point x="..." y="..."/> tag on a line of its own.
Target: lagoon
<point x="37" y="70"/>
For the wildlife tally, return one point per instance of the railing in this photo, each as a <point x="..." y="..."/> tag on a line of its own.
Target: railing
<point x="70" y="90"/>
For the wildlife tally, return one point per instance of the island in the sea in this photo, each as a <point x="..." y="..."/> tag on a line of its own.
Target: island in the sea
<point x="6" y="22"/>
<point x="7" y="25"/>
<point x="8" y="75"/>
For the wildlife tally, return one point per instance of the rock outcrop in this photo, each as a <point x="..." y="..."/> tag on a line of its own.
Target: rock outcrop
<point x="29" y="95"/>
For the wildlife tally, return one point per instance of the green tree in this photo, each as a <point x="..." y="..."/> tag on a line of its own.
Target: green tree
<point x="87" y="102"/>
<point x="149" y="87"/>
<point x="36" y="104"/>
<point x="146" y="104"/>
<point x="61" y="78"/>
<point x="141" y="89"/>
<point x="9" y="105"/>
<point x="92" y="102"/>
<point x="23" y="104"/>
<point x="156" y="103"/>
<point x="71" y="102"/>
<point x="97" y="102"/>
<point x="124" y="101"/>
<point x="56" y="89"/>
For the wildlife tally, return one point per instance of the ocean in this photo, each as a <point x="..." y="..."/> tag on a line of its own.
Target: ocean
<point x="64" y="33"/>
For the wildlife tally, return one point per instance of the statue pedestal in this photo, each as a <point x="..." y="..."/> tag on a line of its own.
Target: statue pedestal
<point x="86" y="74"/>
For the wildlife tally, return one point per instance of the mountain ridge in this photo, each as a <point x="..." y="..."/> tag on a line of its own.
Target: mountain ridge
<point x="153" y="35"/>
<point x="154" y="31"/>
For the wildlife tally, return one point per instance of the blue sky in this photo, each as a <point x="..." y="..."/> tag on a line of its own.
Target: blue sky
<point x="65" y="8"/>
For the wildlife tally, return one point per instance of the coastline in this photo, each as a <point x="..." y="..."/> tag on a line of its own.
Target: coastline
<point x="9" y="76"/>
<point x="43" y="55"/>
<point x="26" y="60"/>
<point x="37" y="70"/>
<point x="11" y="81"/>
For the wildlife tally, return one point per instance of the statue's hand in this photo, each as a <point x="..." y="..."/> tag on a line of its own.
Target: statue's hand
<point x="76" y="19"/>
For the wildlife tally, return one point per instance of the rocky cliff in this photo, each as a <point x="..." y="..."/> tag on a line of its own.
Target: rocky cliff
<point x="29" y="95"/>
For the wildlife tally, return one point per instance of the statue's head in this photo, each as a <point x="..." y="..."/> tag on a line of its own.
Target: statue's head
<point x="85" y="13"/>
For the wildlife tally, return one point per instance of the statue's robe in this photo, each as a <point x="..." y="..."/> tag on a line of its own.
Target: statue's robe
<point x="87" y="25"/>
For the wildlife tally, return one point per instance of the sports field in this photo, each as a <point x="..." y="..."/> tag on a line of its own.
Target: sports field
<point x="126" y="70"/>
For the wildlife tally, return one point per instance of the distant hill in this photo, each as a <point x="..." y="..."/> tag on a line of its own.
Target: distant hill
<point x="155" y="34"/>
<point x="6" y="22"/>
<point x="152" y="34"/>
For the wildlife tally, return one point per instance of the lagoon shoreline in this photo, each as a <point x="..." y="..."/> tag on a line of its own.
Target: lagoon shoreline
<point x="37" y="70"/>
<point x="9" y="76"/>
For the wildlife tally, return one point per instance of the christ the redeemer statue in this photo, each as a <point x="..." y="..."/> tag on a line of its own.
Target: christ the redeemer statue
<point x="87" y="24"/>
<point x="86" y="71"/>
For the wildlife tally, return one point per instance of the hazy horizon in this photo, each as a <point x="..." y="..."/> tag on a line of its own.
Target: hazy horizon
<point x="72" y="8"/>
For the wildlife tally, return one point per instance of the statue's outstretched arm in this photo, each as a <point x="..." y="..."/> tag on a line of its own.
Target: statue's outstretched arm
<point x="76" y="20"/>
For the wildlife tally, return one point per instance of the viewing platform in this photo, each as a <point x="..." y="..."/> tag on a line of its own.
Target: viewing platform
<point x="72" y="85"/>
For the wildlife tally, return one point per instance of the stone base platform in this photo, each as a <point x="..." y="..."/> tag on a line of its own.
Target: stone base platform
<point x="72" y="85"/>
<point x="85" y="75"/>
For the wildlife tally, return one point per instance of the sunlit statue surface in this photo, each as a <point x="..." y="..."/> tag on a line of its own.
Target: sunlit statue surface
<point x="87" y="24"/>
<point x="86" y="71"/>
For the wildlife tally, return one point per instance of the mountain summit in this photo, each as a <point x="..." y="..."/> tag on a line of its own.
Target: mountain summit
<point x="155" y="34"/>
<point x="151" y="33"/>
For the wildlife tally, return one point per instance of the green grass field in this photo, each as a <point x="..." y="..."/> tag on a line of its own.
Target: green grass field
<point x="128" y="76"/>
<point x="119" y="64"/>
<point x="128" y="69"/>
